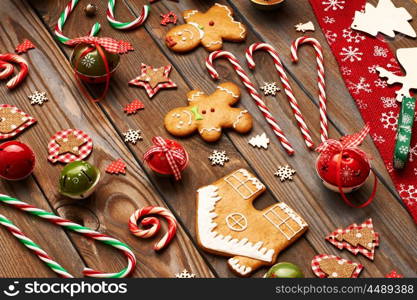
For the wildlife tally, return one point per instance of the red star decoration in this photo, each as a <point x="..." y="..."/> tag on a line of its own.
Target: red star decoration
<point x="169" y="17"/>
<point x="153" y="79"/>
<point x="24" y="47"/>
<point x="116" y="167"/>
<point x="133" y="107"/>
<point x="393" y="274"/>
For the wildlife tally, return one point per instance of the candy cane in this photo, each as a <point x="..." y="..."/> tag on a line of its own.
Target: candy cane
<point x="14" y="58"/>
<point x="252" y="91"/>
<point x="126" y="25"/>
<point x="320" y="80"/>
<point x="27" y="242"/>
<point x="287" y="88"/>
<point x="7" y="69"/>
<point x="154" y="224"/>
<point x="63" y="18"/>
<point x="105" y="239"/>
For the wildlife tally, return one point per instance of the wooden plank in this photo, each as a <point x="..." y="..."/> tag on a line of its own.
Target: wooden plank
<point x="321" y="208"/>
<point x="181" y="196"/>
<point x="117" y="197"/>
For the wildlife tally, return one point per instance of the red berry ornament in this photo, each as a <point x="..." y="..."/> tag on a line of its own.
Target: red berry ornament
<point x="17" y="160"/>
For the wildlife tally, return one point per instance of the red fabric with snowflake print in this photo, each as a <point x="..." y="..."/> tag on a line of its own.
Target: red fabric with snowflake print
<point x="358" y="55"/>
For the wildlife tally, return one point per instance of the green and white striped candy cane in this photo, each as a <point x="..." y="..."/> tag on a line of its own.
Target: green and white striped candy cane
<point x="105" y="239"/>
<point x="126" y="25"/>
<point x="63" y="18"/>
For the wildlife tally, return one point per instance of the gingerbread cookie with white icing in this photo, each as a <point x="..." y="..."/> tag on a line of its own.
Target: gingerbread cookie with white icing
<point x="209" y="29"/>
<point x="209" y="114"/>
<point x="228" y="224"/>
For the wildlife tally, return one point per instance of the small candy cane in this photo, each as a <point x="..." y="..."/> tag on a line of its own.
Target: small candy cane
<point x="105" y="239"/>
<point x="63" y="18"/>
<point x="126" y="25"/>
<point x="14" y="58"/>
<point x="153" y="224"/>
<point x="287" y="88"/>
<point x="7" y="69"/>
<point x="252" y="91"/>
<point x="320" y="80"/>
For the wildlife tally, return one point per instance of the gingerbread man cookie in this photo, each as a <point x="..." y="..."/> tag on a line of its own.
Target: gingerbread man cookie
<point x="209" y="29"/>
<point x="229" y="225"/>
<point x="209" y="114"/>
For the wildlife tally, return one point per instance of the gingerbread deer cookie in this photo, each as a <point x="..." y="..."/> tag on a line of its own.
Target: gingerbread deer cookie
<point x="228" y="224"/>
<point x="209" y="29"/>
<point x="209" y="114"/>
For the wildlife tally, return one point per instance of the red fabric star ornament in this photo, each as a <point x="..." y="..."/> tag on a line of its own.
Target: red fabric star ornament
<point x="133" y="107"/>
<point x="394" y="274"/>
<point x="169" y="17"/>
<point x="153" y="79"/>
<point x="116" y="167"/>
<point x="25" y="46"/>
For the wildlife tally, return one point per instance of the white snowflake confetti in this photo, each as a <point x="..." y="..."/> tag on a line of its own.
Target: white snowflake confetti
<point x="360" y="86"/>
<point x="389" y="102"/>
<point x="218" y="158"/>
<point x="132" y="136"/>
<point x="380" y="51"/>
<point x="330" y="36"/>
<point x="407" y="119"/>
<point x="413" y="153"/>
<point x="372" y="69"/>
<point x="402" y="138"/>
<point x="410" y="105"/>
<point x="380" y="83"/>
<point x="328" y="20"/>
<point x="333" y="4"/>
<point x="285" y="173"/>
<point x="378" y="138"/>
<point x="38" y="98"/>
<point x="352" y="37"/>
<point x="88" y="61"/>
<point x="403" y="149"/>
<point x="270" y="88"/>
<point x="389" y="120"/>
<point x="346" y="71"/>
<point x="408" y="194"/>
<point x="361" y="104"/>
<point x="185" y="274"/>
<point x="260" y="141"/>
<point x="351" y="54"/>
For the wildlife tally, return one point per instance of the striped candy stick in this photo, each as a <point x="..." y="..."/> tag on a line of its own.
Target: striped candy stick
<point x="287" y="88"/>
<point x="7" y="69"/>
<point x="82" y="230"/>
<point x="320" y="80"/>
<point x="63" y="18"/>
<point x="252" y="91"/>
<point x="24" y="69"/>
<point x="27" y="242"/>
<point x="126" y="25"/>
<point x="153" y="224"/>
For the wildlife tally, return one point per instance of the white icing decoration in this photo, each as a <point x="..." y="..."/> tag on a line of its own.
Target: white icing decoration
<point x="241" y="269"/>
<point x="200" y="31"/>
<point x="180" y="123"/>
<point x="242" y="29"/>
<point x="213" y="43"/>
<point x="210" y="129"/>
<point x="239" y="117"/>
<point x="228" y="91"/>
<point x="190" y="116"/>
<point x="255" y="181"/>
<point x="236" y="222"/>
<point x="210" y="239"/>
<point x="195" y="95"/>
<point x="191" y="13"/>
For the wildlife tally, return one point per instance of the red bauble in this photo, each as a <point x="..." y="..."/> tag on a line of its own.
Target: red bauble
<point x="159" y="163"/>
<point x="354" y="168"/>
<point x="17" y="160"/>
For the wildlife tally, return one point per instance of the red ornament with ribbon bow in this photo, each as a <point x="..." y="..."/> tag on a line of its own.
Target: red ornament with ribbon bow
<point x="166" y="157"/>
<point x="344" y="167"/>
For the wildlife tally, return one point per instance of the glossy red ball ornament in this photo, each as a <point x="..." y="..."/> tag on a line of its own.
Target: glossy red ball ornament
<point x="17" y="160"/>
<point x="354" y="169"/>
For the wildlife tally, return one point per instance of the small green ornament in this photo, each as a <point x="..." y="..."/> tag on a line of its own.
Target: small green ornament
<point x="284" y="270"/>
<point x="78" y="180"/>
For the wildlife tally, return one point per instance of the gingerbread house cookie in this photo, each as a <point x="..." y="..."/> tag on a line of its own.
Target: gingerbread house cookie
<point x="229" y="225"/>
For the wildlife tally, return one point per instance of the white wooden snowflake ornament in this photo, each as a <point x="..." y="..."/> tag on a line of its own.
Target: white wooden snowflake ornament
<point x="270" y="88"/>
<point x="260" y="141"/>
<point x="407" y="57"/>
<point x="185" y="274"/>
<point x="309" y="26"/>
<point x="285" y="173"/>
<point x="385" y="18"/>
<point x="38" y="98"/>
<point x="132" y="136"/>
<point x="218" y="158"/>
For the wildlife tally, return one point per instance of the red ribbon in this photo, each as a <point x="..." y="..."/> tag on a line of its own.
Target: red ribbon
<point x="175" y="157"/>
<point x="349" y="142"/>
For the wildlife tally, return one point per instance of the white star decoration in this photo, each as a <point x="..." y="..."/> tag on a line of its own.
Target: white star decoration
<point x="185" y="274"/>
<point x="218" y="158"/>
<point x="38" y="98"/>
<point x="285" y="173"/>
<point x="132" y="136"/>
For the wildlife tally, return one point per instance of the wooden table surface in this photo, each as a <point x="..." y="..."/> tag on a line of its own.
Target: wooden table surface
<point x="109" y="208"/>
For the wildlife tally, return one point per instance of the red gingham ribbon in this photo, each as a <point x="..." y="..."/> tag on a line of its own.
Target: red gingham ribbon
<point x="107" y="43"/>
<point x="174" y="157"/>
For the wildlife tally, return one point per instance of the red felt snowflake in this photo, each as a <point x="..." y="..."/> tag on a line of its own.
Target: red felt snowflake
<point x="394" y="274"/>
<point x="116" y="167"/>
<point x="133" y="107"/>
<point x="25" y="46"/>
<point x="169" y="17"/>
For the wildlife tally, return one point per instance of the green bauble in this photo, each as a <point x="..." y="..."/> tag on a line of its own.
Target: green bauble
<point x="78" y="180"/>
<point x="92" y="64"/>
<point x="284" y="270"/>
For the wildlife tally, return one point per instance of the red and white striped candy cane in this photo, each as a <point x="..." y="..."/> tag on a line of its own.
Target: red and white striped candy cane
<point x="320" y="80"/>
<point x="287" y="88"/>
<point x="7" y="69"/>
<point x="153" y="224"/>
<point x="252" y="91"/>
<point x="14" y="58"/>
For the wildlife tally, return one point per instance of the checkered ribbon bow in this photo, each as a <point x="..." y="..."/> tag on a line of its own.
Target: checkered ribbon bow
<point x="107" y="43"/>
<point x="174" y="157"/>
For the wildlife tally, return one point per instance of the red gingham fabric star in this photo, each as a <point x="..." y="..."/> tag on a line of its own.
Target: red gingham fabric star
<point x="24" y="46"/>
<point x="116" y="167"/>
<point x="315" y="265"/>
<point x="143" y="80"/>
<point x="169" y="17"/>
<point x="394" y="274"/>
<point x="133" y="107"/>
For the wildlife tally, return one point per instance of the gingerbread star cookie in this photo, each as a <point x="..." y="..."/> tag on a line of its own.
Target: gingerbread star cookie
<point x="13" y="121"/>
<point x="208" y="29"/>
<point x="69" y="145"/>
<point x="331" y="266"/>
<point x="208" y="114"/>
<point x="153" y="79"/>
<point x="356" y="239"/>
